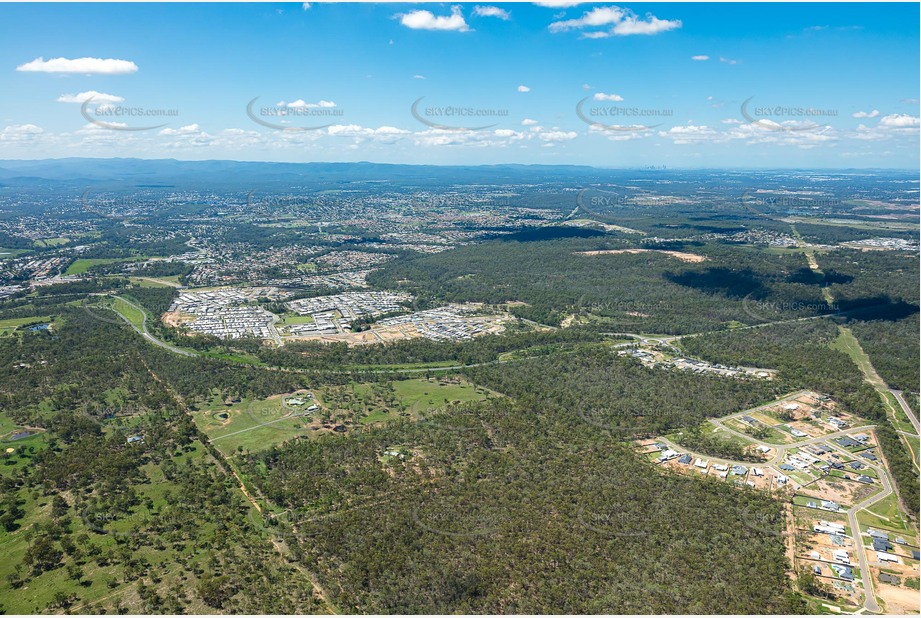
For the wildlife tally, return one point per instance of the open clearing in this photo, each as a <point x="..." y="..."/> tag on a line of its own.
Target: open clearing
<point x="11" y="324"/>
<point x="684" y="257"/>
<point x="260" y="424"/>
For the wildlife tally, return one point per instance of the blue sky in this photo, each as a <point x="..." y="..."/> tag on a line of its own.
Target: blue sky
<point x="626" y="85"/>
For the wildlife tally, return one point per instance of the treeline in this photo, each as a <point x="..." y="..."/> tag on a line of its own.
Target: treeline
<point x="893" y="348"/>
<point x="618" y="394"/>
<point x="316" y="355"/>
<point x="800" y="352"/>
<point x="156" y="300"/>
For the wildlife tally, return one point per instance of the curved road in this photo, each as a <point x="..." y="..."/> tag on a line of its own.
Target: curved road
<point x="143" y="330"/>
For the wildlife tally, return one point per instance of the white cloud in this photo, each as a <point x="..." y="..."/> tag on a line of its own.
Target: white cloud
<point x="652" y="25"/>
<point x="360" y="134"/>
<point x="418" y="76"/>
<point x="728" y="60"/>
<point x="621" y="133"/>
<point x="688" y="134"/>
<point x="301" y="104"/>
<point x="491" y="11"/>
<point x="90" y="95"/>
<point x="528" y="122"/>
<point x="598" y="16"/>
<point x="600" y="96"/>
<point x="426" y="20"/>
<point x="93" y="66"/>
<point x="93" y="129"/>
<point x="623" y="22"/>
<point x="20" y="132"/>
<point x="555" y="135"/>
<point x="523" y="88"/>
<point x="305" y="6"/>
<point x="189" y="129"/>
<point x="872" y="114"/>
<point x="559" y="4"/>
<point x="899" y="121"/>
<point x="700" y="57"/>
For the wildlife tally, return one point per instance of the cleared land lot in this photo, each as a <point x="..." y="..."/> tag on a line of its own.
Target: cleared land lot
<point x="257" y="425"/>
<point x="684" y="257"/>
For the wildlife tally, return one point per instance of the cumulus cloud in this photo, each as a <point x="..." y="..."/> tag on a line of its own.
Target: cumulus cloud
<point x="728" y="60"/>
<point x="20" y="132"/>
<point x="301" y="104"/>
<point x="528" y="122"/>
<point x="90" y="95"/>
<point x="491" y="11"/>
<point x="523" y="88"/>
<point x="90" y="66"/>
<point x="426" y="20"/>
<point x="354" y="130"/>
<point x="189" y="129"/>
<point x="700" y="58"/>
<point x="600" y="96"/>
<point x="872" y="114"/>
<point x="418" y="76"/>
<point x="687" y="134"/>
<point x="555" y="135"/>
<point x="622" y="22"/>
<point x="559" y="4"/>
<point x="652" y="25"/>
<point x="899" y="121"/>
<point x="598" y="16"/>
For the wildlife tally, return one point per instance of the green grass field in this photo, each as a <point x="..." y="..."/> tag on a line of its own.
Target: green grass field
<point x="82" y="265"/>
<point x="125" y="309"/>
<point x="24" y="449"/>
<point x="257" y="425"/>
<point x="293" y="318"/>
<point x="155" y="282"/>
<point x="251" y="425"/>
<point x="9" y="325"/>
<point x="885" y="514"/>
<point x="52" y="242"/>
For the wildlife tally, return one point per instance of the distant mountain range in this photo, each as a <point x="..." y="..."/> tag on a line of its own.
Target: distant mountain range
<point x="173" y="173"/>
